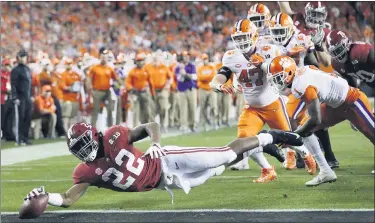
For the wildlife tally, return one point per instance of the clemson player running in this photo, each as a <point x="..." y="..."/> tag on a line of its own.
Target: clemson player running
<point x="111" y="161"/>
<point x="340" y="102"/>
<point x="262" y="104"/>
<point x="299" y="46"/>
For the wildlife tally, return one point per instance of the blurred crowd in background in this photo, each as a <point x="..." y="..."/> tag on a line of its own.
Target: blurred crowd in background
<point x="61" y="29"/>
<point x="114" y="62"/>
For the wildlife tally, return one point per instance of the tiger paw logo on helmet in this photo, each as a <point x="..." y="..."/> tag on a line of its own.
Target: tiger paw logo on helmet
<point x="285" y="62"/>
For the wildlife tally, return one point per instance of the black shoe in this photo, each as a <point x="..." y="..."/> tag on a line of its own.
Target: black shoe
<point x="333" y="164"/>
<point x="27" y="142"/>
<point x="300" y="163"/>
<point x="283" y="137"/>
<point x="274" y="151"/>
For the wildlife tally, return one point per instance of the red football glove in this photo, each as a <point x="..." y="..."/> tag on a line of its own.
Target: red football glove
<point x="256" y="59"/>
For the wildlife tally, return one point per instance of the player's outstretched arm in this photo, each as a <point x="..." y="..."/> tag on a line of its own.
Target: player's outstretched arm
<point x="285" y="7"/>
<point x="61" y="200"/>
<point x="151" y="129"/>
<point x="315" y="119"/>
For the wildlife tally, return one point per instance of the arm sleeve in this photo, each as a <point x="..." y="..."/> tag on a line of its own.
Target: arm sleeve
<point x="310" y="59"/>
<point x="225" y="71"/>
<point x="13" y="83"/>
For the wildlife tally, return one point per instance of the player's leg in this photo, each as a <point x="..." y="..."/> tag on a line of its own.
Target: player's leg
<point x="362" y="118"/>
<point x="330" y="117"/>
<point x="324" y="139"/>
<point x="276" y="117"/>
<point x="249" y="124"/>
<point x="297" y="114"/>
<point x="212" y="102"/>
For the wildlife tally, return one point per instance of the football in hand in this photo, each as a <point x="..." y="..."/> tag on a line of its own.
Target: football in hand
<point x="34" y="207"/>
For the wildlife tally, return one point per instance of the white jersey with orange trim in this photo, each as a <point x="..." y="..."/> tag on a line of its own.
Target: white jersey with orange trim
<point x="256" y="89"/>
<point x="331" y="89"/>
<point x="297" y="41"/>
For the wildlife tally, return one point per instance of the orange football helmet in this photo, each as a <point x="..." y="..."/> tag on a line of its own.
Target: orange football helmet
<point x="281" y="28"/>
<point x="245" y="35"/>
<point x="280" y="72"/>
<point x="260" y="15"/>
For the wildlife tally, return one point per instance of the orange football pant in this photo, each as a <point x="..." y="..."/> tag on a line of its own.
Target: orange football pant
<point x="252" y="119"/>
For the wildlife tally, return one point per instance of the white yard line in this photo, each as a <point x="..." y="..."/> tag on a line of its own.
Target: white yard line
<point x="203" y="210"/>
<point x="216" y="177"/>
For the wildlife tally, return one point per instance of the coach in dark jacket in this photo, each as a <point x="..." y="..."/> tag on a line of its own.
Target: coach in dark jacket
<point x="20" y="79"/>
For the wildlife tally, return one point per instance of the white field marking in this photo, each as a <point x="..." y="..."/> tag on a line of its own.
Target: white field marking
<point x="216" y="177"/>
<point x="203" y="210"/>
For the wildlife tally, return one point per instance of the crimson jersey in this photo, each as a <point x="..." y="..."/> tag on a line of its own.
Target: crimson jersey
<point x="122" y="168"/>
<point x="361" y="63"/>
<point x="299" y="22"/>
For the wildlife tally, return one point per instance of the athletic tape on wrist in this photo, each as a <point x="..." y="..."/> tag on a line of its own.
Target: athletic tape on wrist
<point x="55" y="199"/>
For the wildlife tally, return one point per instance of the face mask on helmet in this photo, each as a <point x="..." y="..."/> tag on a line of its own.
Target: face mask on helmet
<point x="280" y="35"/>
<point x="243" y="42"/>
<point x="315" y="17"/>
<point x="339" y="52"/>
<point x="84" y="147"/>
<point x="258" y="20"/>
<point x="278" y="81"/>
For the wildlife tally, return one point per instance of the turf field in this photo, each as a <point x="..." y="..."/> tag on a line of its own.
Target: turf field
<point x="354" y="188"/>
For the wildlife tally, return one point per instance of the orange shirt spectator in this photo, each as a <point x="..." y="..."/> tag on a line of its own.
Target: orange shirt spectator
<point x="56" y="90"/>
<point x="159" y="75"/>
<point x="101" y="76"/>
<point x="44" y="102"/>
<point x="205" y="75"/>
<point x="44" y="78"/>
<point x="70" y="84"/>
<point x="138" y="79"/>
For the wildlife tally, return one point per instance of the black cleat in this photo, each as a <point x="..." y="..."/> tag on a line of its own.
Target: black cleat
<point x="274" y="151"/>
<point x="284" y="137"/>
<point x="333" y="164"/>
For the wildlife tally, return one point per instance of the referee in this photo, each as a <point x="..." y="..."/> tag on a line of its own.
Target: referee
<point x="20" y="79"/>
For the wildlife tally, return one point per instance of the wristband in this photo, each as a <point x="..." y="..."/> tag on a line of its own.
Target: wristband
<point x="55" y="199"/>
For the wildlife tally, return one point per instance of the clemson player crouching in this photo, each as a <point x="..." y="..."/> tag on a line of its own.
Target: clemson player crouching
<point x="339" y="102"/>
<point x="111" y="161"/>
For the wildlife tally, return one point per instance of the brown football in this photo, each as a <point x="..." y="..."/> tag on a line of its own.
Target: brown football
<point x="34" y="207"/>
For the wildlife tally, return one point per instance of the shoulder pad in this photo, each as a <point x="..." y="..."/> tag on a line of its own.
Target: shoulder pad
<point x="359" y="51"/>
<point x="229" y="55"/>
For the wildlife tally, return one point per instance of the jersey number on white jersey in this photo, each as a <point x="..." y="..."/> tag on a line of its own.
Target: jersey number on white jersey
<point x="251" y="77"/>
<point x="129" y="166"/>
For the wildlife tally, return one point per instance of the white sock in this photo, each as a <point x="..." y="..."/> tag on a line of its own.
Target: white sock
<point x="258" y="149"/>
<point x="261" y="160"/>
<point x="264" y="139"/>
<point x="302" y="150"/>
<point x="313" y="145"/>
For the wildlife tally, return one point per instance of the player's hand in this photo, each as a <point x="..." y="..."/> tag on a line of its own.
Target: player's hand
<point x="256" y="59"/>
<point x="226" y="89"/>
<point x="155" y="151"/>
<point x="353" y="127"/>
<point x="296" y="50"/>
<point x="317" y="36"/>
<point x="35" y="192"/>
<point x="238" y="88"/>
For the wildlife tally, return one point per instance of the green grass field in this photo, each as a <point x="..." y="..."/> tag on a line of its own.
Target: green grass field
<point x="353" y="189"/>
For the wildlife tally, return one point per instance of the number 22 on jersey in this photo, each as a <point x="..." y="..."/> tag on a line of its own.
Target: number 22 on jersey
<point x="129" y="166"/>
<point x="251" y="77"/>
